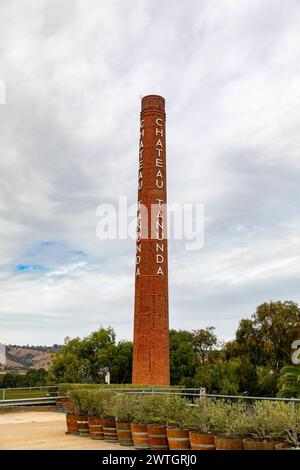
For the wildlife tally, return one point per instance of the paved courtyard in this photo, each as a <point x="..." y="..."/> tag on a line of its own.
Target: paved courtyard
<point x="43" y="429"/>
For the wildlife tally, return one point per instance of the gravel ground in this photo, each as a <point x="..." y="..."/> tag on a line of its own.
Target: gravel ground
<point x="35" y="430"/>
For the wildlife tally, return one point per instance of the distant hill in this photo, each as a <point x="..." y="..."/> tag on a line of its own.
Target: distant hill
<point x="23" y="358"/>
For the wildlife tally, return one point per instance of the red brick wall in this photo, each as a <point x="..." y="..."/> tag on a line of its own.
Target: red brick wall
<point x="151" y="364"/>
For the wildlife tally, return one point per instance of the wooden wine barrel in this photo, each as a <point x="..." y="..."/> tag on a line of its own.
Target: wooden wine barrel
<point x="83" y="425"/>
<point x="260" y="444"/>
<point x="59" y="405"/>
<point x="158" y="437"/>
<point x="124" y="434"/>
<point x="72" y="426"/>
<point x="140" y="436"/>
<point x="96" y="427"/>
<point x="229" y="442"/>
<point x="284" y="446"/>
<point x="201" y="441"/>
<point x="66" y="404"/>
<point x="178" y="438"/>
<point x="110" y="429"/>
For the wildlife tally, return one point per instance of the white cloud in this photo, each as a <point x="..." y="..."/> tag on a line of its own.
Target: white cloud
<point x="69" y="129"/>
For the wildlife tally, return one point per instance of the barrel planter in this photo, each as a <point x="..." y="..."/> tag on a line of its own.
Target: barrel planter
<point x="83" y="425"/>
<point x="158" y="437"/>
<point x="110" y="429"/>
<point x="66" y="404"/>
<point x="95" y="426"/>
<point x="72" y="426"/>
<point x="202" y="441"/>
<point x="229" y="442"/>
<point x="140" y="436"/>
<point x="124" y="434"/>
<point x="285" y="446"/>
<point x="59" y="405"/>
<point x="252" y="443"/>
<point x="178" y="438"/>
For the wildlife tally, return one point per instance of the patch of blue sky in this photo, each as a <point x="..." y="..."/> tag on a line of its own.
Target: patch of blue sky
<point x="42" y="246"/>
<point x="30" y="267"/>
<point x="77" y="253"/>
<point x="49" y="243"/>
<point x="47" y="255"/>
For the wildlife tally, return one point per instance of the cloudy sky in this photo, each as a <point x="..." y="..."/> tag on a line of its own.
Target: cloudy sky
<point x="74" y="73"/>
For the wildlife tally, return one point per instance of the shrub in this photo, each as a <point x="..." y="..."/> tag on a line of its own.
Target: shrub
<point x="166" y="409"/>
<point x="80" y="398"/>
<point x="97" y="401"/>
<point x="107" y="402"/>
<point x="217" y="412"/>
<point x="162" y="409"/>
<point x="123" y="407"/>
<point x="291" y="423"/>
<point x="142" y="410"/>
<point x="91" y="402"/>
<point x="264" y="420"/>
<point x="172" y="410"/>
<point x="226" y="417"/>
<point x="156" y="408"/>
<point x="237" y="419"/>
<point x="191" y="418"/>
<point x="199" y="416"/>
<point x="287" y="417"/>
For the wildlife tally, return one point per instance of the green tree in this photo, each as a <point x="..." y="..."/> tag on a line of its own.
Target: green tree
<point x="100" y="349"/>
<point x="289" y="382"/>
<point x="183" y="358"/>
<point x="246" y="375"/>
<point x="36" y="378"/>
<point x="219" y="377"/>
<point x="266" y="339"/>
<point x="12" y="380"/>
<point x="68" y="367"/>
<point x="87" y="359"/>
<point x="204" y="340"/>
<point x="266" y="385"/>
<point x="121" y="368"/>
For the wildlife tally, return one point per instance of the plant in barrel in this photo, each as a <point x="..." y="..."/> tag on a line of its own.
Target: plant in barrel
<point x="198" y="419"/>
<point x="265" y="426"/>
<point x="157" y="421"/>
<point x="230" y="423"/>
<point x="95" y="411"/>
<point x="142" y="410"/>
<point x="288" y="416"/>
<point x="109" y="421"/>
<point x="123" y="409"/>
<point x="80" y="399"/>
<point x="176" y="409"/>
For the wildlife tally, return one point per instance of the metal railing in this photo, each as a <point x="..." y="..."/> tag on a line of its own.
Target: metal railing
<point x="28" y="402"/>
<point x="194" y="393"/>
<point x="50" y="393"/>
<point x="28" y="392"/>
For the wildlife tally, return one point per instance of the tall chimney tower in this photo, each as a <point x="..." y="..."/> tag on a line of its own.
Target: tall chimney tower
<point x="151" y="361"/>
